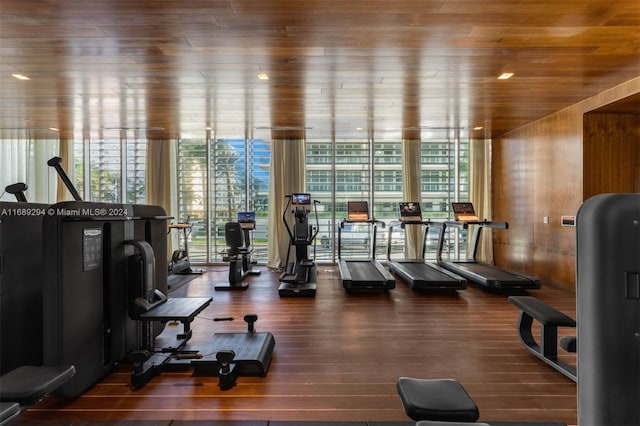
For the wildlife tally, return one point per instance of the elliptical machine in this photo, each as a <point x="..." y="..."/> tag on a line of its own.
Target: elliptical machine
<point x="299" y="277"/>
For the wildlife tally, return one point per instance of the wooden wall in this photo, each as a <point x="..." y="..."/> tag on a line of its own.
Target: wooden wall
<point x="539" y="171"/>
<point x="611" y="148"/>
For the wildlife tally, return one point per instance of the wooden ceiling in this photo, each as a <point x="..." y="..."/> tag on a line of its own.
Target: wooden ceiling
<point x="348" y="69"/>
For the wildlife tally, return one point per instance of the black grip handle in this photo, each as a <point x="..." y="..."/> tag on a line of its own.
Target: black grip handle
<point x="55" y="162"/>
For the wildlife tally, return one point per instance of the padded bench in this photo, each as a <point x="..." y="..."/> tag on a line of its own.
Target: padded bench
<point x="550" y="319"/>
<point x="27" y="384"/>
<point x="442" y="400"/>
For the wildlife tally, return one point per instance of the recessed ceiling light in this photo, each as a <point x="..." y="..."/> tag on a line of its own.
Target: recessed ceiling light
<point x="263" y="76"/>
<point x="296" y="128"/>
<point x="505" y="76"/>
<point x="133" y="128"/>
<point x="54" y="129"/>
<point x="478" y="128"/>
<point x="20" y="76"/>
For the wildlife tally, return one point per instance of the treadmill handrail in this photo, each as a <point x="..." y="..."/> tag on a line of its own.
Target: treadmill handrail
<point x="370" y="221"/>
<point x="372" y="245"/>
<point x="484" y="223"/>
<point x="475" y="239"/>
<point x="426" y="222"/>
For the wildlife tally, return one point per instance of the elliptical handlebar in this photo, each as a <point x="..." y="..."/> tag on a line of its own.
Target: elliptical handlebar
<point x="315" y="212"/>
<point x="284" y="216"/>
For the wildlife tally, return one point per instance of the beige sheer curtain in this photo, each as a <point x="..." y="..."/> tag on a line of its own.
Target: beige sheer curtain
<point x="287" y="175"/>
<point x="411" y="192"/>
<point x="160" y="178"/>
<point x="159" y="173"/>
<point x="480" y="192"/>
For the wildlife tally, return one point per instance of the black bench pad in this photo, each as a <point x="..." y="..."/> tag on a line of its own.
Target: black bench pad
<point x="436" y="399"/>
<point x="29" y="383"/>
<point x="542" y="312"/>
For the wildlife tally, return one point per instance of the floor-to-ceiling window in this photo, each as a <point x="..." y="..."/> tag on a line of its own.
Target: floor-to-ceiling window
<point x="110" y="168"/>
<point x="372" y="171"/>
<point x="444" y="177"/>
<point x="217" y="179"/>
<point x="320" y="183"/>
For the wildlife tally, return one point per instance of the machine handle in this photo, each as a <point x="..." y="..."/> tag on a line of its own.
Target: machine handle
<point x="55" y="163"/>
<point x="17" y="189"/>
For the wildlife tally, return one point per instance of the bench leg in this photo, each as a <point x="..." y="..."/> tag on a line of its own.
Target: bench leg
<point x="547" y="349"/>
<point x="548" y="346"/>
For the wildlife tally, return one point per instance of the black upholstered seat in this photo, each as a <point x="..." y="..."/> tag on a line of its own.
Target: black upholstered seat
<point x="436" y="399"/>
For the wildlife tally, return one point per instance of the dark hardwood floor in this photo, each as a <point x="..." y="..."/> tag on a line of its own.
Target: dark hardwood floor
<point x="338" y="357"/>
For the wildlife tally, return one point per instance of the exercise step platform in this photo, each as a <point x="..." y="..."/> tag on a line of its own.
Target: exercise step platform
<point x="253" y="353"/>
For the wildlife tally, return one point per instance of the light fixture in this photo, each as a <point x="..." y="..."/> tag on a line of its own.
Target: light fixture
<point x="134" y="128"/>
<point x="54" y="129"/>
<point x="20" y="76"/>
<point x="505" y="76"/>
<point x="478" y="128"/>
<point x="263" y="76"/>
<point x="280" y="128"/>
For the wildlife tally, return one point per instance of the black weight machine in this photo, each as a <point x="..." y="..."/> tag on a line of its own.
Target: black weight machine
<point x="93" y="264"/>
<point x="299" y="277"/>
<point x="239" y="252"/>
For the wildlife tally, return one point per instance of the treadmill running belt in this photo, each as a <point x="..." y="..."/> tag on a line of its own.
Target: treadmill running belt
<point x="420" y="276"/>
<point x="492" y="276"/>
<point x="364" y="271"/>
<point x="365" y="274"/>
<point x="425" y="272"/>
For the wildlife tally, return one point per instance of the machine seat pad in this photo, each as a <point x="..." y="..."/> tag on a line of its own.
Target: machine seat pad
<point x="436" y="399"/>
<point x="538" y="310"/>
<point x="29" y="383"/>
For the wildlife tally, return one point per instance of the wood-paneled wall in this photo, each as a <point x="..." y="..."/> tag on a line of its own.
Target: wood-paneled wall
<point x="539" y="171"/>
<point x="610" y="150"/>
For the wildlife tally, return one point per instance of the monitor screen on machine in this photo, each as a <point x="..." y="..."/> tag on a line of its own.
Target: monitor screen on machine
<point x="301" y="199"/>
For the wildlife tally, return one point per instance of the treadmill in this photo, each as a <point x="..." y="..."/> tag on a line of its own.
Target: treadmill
<point x="483" y="274"/>
<point x="418" y="274"/>
<point x="362" y="273"/>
